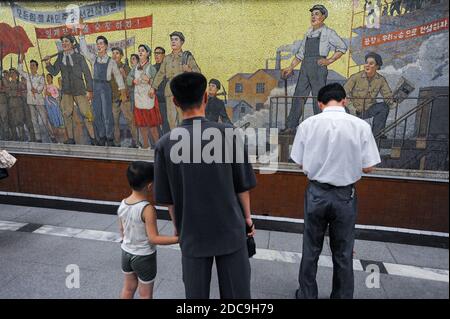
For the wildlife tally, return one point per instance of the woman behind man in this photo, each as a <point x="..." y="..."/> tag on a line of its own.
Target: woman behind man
<point x="146" y="109"/>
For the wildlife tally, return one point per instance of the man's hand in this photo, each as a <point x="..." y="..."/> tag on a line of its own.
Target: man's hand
<point x="186" y="68"/>
<point x="285" y="73"/>
<point x="123" y="96"/>
<point x="33" y="90"/>
<point x="145" y="78"/>
<point x="122" y="71"/>
<point x="324" y="62"/>
<point x="89" y="96"/>
<point x="250" y="223"/>
<point x="46" y="59"/>
<point x="367" y="170"/>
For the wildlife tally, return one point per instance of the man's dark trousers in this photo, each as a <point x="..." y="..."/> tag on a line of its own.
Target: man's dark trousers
<point x="327" y="205"/>
<point x="233" y="272"/>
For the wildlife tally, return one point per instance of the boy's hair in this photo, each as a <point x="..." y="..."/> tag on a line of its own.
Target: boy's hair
<point x="188" y="89"/>
<point x="333" y="91"/>
<point x="140" y="174"/>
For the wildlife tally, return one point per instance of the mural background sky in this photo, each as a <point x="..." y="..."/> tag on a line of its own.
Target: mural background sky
<point x="225" y="36"/>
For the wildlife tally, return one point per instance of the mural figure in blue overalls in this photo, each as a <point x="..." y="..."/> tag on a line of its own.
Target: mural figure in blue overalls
<point x="103" y="67"/>
<point x="318" y="41"/>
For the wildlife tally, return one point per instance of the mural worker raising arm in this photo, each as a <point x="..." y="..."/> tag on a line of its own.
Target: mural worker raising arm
<point x="313" y="52"/>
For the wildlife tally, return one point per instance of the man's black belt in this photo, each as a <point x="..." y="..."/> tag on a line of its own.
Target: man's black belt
<point x="329" y="186"/>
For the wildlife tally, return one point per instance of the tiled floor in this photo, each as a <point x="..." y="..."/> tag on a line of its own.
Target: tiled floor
<point x="33" y="265"/>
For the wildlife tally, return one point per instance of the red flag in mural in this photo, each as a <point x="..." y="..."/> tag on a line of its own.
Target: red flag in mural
<point x="13" y="40"/>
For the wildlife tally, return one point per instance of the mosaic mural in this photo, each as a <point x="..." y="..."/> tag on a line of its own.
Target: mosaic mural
<point x="97" y="72"/>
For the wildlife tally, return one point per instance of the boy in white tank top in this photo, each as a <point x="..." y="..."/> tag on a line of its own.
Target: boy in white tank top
<point x="139" y="230"/>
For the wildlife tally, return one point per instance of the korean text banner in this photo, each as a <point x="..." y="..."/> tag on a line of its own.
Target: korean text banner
<point x="414" y="32"/>
<point x="96" y="27"/>
<point x="87" y="12"/>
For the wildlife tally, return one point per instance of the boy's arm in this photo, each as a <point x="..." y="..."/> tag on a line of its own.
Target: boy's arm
<point x="121" y="228"/>
<point x="172" y="217"/>
<point x="149" y="216"/>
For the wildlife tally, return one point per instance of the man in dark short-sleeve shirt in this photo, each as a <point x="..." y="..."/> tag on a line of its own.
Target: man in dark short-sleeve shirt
<point x="208" y="200"/>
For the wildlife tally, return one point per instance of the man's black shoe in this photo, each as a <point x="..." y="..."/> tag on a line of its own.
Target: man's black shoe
<point x="93" y="141"/>
<point x="101" y="141"/>
<point x="298" y="294"/>
<point x="110" y="143"/>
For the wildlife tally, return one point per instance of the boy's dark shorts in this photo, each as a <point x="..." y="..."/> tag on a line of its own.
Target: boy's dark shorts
<point x="143" y="266"/>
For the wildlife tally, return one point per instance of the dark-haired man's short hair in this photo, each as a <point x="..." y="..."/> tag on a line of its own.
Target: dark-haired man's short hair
<point x="333" y="91"/>
<point x="118" y="50"/>
<point x="188" y="89"/>
<point x="35" y="62"/>
<point x="69" y="37"/>
<point x="140" y="174"/>
<point x="215" y="82"/>
<point x="100" y="37"/>
<point x="160" y="48"/>
<point x="376" y="57"/>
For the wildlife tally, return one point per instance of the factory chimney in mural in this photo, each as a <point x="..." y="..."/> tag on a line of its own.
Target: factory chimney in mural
<point x="278" y="60"/>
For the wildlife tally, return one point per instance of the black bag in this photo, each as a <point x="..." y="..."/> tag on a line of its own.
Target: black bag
<point x="3" y="173"/>
<point x="251" y="245"/>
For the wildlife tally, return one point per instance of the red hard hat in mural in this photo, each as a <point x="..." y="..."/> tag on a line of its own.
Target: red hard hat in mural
<point x="13" y="40"/>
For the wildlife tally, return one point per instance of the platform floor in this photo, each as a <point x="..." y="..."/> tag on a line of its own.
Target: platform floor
<point x="37" y="245"/>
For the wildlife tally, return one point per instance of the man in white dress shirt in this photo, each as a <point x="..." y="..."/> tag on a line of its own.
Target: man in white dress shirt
<point x="35" y="100"/>
<point x="333" y="148"/>
<point x="103" y="66"/>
